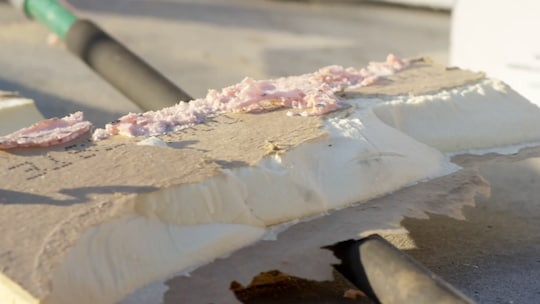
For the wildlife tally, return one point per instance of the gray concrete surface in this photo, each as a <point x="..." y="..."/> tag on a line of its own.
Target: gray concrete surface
<point x="210" y="44"/>
<point x="493" y="256"/>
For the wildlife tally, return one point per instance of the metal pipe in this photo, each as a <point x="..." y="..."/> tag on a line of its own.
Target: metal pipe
<point x="141" y="83"/>
<point x="114" y="62"/>
<point x="389" y="276"/>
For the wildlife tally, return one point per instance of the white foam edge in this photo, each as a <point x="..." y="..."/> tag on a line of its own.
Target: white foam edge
<point x="113" y="259"/>
<point x="11" y="292"/>
<point x="362" y="141"/>
<point x="474" y="117"/>
<point x="362" y="148"/>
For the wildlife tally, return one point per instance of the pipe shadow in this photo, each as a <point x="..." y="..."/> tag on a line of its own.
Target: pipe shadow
<point x="76" y="195"/>
<point x="491" y="255"/>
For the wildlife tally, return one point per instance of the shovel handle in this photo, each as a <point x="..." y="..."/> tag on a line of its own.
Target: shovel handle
<point x="388" y="275"/>
<point x="115" y="63"/>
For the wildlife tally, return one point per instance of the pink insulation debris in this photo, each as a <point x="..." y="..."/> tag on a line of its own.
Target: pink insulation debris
<point x="306" y="95"/>
<point x="47" y="133"/>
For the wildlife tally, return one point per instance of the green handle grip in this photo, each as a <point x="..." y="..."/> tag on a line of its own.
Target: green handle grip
<point x="136" y="79"/>
<point x="51" y="13"/>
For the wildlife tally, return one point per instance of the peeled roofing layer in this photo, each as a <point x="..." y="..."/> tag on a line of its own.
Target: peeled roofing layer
<point x="361" y="158"/>
<point x="242" y="171"/>
<point x="47" y="132"/>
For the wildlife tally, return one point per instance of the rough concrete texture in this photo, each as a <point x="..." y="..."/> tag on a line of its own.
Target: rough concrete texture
<point x="492" y="255"/>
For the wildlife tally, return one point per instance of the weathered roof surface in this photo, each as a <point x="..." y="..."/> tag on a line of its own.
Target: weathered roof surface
<point x="49" y="196"/>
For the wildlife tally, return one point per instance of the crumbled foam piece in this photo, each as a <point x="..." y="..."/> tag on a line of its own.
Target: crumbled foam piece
<point x="152" y="141"/>
<point x="131" y="216"/>
<point x="47" y="132"/>
<point x="308" y="94"/>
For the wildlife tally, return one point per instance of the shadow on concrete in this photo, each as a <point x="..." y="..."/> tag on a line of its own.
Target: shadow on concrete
<point x="77" y="195"/>
<point x="492" y="256"/>
<point x="302" y="18"/>
<point x="54" y="106"/>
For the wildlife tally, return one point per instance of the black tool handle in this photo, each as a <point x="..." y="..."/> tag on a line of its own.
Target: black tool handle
<point x="128" y="73"/>
<point x="388" y="275"/>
